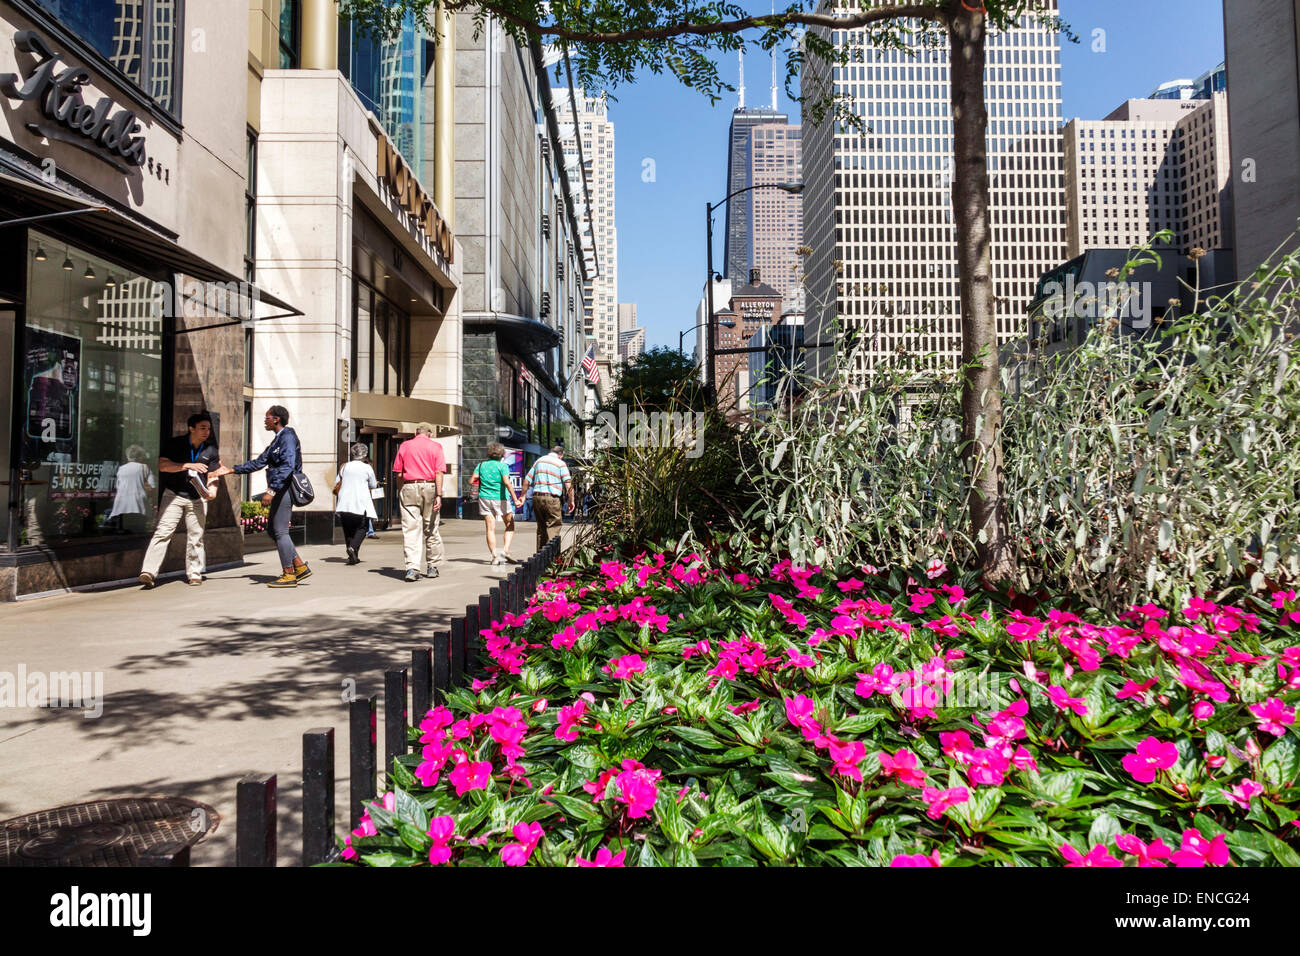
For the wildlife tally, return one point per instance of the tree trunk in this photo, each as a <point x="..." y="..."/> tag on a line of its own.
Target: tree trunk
<point x="981" y="396"/>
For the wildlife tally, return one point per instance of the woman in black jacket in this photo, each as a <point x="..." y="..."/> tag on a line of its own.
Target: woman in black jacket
<point x="281" y="459"/>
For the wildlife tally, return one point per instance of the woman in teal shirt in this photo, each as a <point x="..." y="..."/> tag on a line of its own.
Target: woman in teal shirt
<point x="496" y="499"/>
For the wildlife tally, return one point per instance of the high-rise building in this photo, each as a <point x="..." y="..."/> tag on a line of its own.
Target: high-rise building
<point x="626" y="316"/>
<point x="631" y="343"/>
<point x="1151" y="164"/>
<point x="776" y="216"/>
<point x="1262" y="45"/>
<point x="584" y="121"/>
<point x="878" y="201"/>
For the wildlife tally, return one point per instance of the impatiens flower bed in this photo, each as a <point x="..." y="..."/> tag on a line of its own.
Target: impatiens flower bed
<point x="669" y="711"/>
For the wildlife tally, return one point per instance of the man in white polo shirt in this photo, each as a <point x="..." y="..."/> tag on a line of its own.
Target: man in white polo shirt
<point x="549" y="478"/>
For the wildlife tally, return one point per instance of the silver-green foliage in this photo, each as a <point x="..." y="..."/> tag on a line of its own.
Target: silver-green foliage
<point x="1134" y="466"/>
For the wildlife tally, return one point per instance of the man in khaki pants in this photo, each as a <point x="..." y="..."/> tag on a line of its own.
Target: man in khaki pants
<point x="549" y="478"/>
<point x="420" y="464"/>
<point x="181" y="459"/>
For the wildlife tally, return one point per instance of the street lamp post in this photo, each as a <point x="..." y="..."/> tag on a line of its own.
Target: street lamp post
<point x="794" y="188"/>
<point x="725" y="323"/>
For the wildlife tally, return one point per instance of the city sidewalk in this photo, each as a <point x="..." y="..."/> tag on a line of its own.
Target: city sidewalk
<point x="203" y="685"/>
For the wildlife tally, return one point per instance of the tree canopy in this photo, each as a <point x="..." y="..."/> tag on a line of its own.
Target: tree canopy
<point x="659" y="379"/>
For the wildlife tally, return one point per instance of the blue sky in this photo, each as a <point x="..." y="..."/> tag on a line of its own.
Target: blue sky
<point x="670" y="143"/>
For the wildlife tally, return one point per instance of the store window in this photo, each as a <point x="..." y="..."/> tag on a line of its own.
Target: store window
<point x="91" y="396"/>
<point x="290" y="34"/>
<point x="138" y="37"/>
<point x="381" y="340"/>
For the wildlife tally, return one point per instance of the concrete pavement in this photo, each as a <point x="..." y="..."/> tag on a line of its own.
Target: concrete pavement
<point x="203" y="685"/>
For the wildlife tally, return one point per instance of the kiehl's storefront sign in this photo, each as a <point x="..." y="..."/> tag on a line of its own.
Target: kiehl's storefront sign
<point x="405" y="188"/>
<point x="108" y="132"/>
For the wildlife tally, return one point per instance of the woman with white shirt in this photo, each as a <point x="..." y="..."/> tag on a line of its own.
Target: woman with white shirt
<point x="355" y="504"/>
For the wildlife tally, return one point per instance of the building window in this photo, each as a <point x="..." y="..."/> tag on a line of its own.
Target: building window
<point x="381" y="345"/>
<point x="250" y="206"/>
<point x="139" y="38"/>
<point x="91" y="396"/>
<point x="290" y="34"/>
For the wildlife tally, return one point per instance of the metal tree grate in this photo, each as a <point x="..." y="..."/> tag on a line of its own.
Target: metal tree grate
<point x="104" y="832"/>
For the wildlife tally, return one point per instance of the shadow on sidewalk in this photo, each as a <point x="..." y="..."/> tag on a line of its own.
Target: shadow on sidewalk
<point x="324" y="658"/>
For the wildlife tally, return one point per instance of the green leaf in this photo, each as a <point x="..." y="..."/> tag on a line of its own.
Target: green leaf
<point x="1280" y="763"/>
<point x="698" y="736"/>
<point x="1104" y="829"/>
<point x="669" y="814"/>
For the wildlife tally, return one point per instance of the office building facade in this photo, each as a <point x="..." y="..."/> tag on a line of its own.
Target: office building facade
<point x="878" y="202"/>
<point x="1262" y="46"/>
<point x="524" y="273"/>
<point x="587" y="138"/>
<point x="1152" y="164"/>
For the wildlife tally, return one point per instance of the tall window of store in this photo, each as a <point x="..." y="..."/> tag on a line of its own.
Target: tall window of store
<point x="91" y="393"/>
<point x="290" y="34"/>
<point x="139" y="40"/>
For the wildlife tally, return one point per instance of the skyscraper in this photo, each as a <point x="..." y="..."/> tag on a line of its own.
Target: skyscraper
<point x="1152" y="164"/>
<point x="878" y="202"/>
<point x="592" y="128"/>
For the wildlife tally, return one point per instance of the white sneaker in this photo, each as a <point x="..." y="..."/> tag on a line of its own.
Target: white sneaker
<point x="496" y="559"/>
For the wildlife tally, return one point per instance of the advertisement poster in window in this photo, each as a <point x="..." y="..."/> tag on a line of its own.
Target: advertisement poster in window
<point x="52" y="384"/>
<point x="514" y="460"/>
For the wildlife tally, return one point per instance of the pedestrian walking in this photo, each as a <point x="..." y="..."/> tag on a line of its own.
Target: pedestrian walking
<point x="132" y="487"/>
<point x="180" y="459"/>
<point x="549" y="478"/>
<point x="281" y="459"/>
<point x="496" y="499"/>
<point x="420" y="464"/>
<point x="355" y="506"/>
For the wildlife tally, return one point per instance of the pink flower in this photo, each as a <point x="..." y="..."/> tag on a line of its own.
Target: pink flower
<point x="441" y="830"/>
<point x="1273" y="716"/>
<point x="1139" y="691"/>
<point x="1065" y="702"/>
<point x="847" y="756"/>
<point x="881" y="680"/>
<point x="1147" y="854"/>
<point x="1099" y="855"/>
<point x="434" y="721"/>
<point x="941" y="800"/>
<point x="1202" y="710"/>
<point x="987" y="767"/>
<point x="935" y="569"/>
<point x="1214" y="760"/>
<point x="1244" y="792"/>
<point x="517" y="854"/>
<point x="470" y="775"/>
<point x="604" y="858"/>
<point x="904" y="766"/>
<point x="569" y="718"/>
<point x="799" y="660"/>
<point x="625" y="666"/>
<point x="799" y="710"/>
<point x="1151" y="757"/>
<point x="1198" y="851"/>
<point x="638" y="788"/>
<point x="916" y="859"/>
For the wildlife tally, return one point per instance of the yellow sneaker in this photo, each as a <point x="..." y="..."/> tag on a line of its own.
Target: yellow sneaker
<point x="284" y="581"/>
<point x="302" y="572"/>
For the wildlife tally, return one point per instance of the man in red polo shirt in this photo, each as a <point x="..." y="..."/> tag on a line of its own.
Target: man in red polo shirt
<point x="420" y="464"/>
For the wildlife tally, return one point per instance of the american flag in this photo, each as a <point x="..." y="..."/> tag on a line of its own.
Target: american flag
<point x="589" y="366"/>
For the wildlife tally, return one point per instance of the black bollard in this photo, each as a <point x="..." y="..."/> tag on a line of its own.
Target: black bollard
<point x="255" y="840"/>
<point x="396" y="719"/>
<point x="317" y="795"/>
<point x="421" y="683"/>
<point x="441" y="666"/>
<point x="473" y="621"/>
<point x="456" y="640"/>
<point x="361" y="747"/>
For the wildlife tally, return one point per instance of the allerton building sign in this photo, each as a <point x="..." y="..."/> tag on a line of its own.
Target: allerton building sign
<point x="110" y="136"/>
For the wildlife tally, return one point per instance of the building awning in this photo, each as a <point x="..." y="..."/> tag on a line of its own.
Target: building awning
<point x="118" y="233"/>
<point x="403" y="414"/>
<point x="520" y="333"/>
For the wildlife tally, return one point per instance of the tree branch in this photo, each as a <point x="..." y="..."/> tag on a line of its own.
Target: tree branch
<point x="862" y="18"/>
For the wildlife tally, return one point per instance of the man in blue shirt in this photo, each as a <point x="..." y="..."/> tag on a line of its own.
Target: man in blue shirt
<point x="549" y="478"/>
<point x="281" y="459"/>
